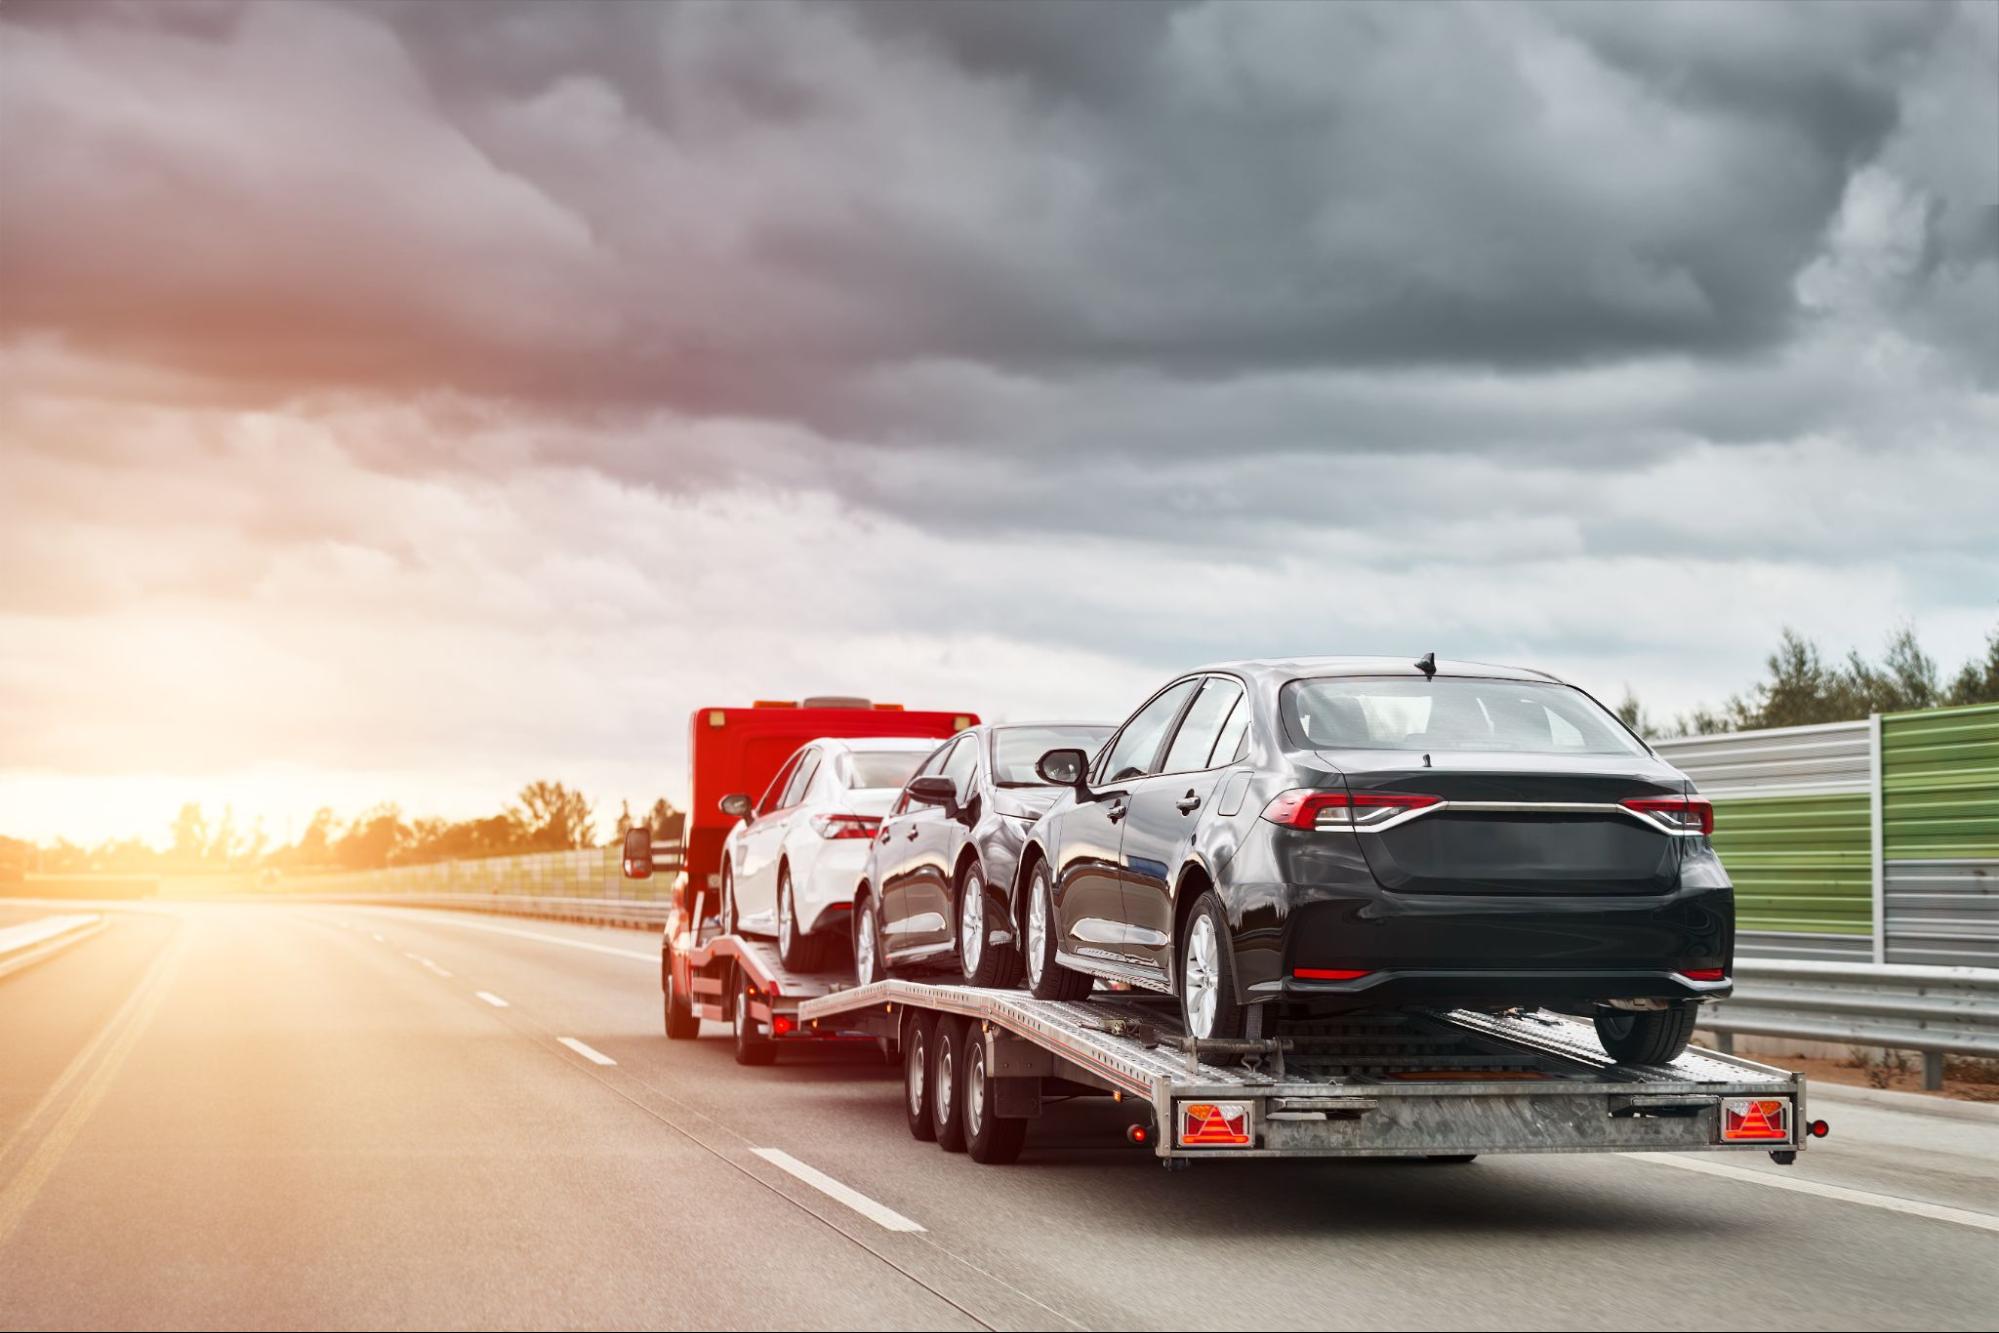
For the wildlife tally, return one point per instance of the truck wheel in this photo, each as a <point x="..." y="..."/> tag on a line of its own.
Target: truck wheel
<point x="752" y="1048"/>
<point x="800" y="952"/>
<point x="916" y="1030"/>
<point x="982" y="962"/>
<point x="1048" y="979"/>
<point x="1652" y="1037"/>
<point x="947" y="1059"/>
<point x="1206" y="979"/>
<point x="681" y="1021"/>
<point x="990" y="1137"/>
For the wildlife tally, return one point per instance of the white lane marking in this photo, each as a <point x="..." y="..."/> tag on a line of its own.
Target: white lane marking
<point x="590" y="1053"/>
<point x="642" y="955"/>
<point x="879" y="1213"/>
<point x="427" y="963"/>
<point x="491" y="999"/>
<point x="1936" y="1212"/>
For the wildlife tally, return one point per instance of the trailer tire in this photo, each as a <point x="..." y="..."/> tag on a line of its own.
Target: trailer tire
<point x="1048" y="979"/>
<point x="947" y="1071"/>
<point x="980" y="961"/>
<point x="1652" y="1037"/>
<point x="801" y="952"/>
<point x="916" y="1029"/>
<point x="752" y="1048"/>
<point x="682" y="1023"/>
<point x="990" y="1138"/>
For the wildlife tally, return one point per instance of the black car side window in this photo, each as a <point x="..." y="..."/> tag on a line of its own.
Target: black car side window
<point x="1233" y="743"/>
<point x="1205" y="720"/>
<point x="1136" y="750"/>
<point x="963" y="766"/>
<point x="923" y="770"/>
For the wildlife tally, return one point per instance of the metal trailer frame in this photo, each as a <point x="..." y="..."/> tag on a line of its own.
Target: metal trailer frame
<point x="776" y="992"/>
<point x="1523" y="1082"/>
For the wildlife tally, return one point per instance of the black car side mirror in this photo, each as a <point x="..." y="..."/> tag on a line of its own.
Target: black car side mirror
<point x="735" y="805"/>
<point x="1064" y="768"/>
<point x="637" y="856"/>
<point x="936" y="789"/>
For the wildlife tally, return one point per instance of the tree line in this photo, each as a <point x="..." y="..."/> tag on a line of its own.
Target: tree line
<point x="544" y="817"/>
<point x="1802" y="686"/>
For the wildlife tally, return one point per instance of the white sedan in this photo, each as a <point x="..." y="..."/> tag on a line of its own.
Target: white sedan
<point x="790" y="866"/>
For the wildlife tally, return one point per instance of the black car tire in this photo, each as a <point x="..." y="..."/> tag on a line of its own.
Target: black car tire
<point x="682" y="1023"/>
<point x="1208" y="923"/>
<point x="916" y="1075"/>
<point x="998" y="965"/>
<point x="1650" y="1037"/>
<point x="752" y="1047"/>
<point x="867" y="917"/>
<point x="990" y="1138"/>
<point x="947" y="1058"/>
<point x="801" y="952"/>
<point x="1048" y="979"/>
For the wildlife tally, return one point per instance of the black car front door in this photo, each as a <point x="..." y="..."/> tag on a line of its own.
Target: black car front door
<point x="1167" y="806"/>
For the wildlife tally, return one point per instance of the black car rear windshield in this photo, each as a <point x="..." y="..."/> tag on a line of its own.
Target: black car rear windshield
<point x="883" y="768"/>
<point x="1449" y="713"/>
<point x="1016" y="748"/>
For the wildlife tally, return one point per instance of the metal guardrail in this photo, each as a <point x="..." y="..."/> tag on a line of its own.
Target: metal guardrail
<point x="638" y="913"/>
<point x="1938" y="1011"/>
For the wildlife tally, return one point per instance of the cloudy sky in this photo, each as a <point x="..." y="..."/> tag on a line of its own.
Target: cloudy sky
<point x="407" y="400"/>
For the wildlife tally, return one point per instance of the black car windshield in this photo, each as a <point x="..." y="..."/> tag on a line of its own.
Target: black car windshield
<point x="1450" y="713"/>
<point x="1015" y="750"/>
<point x="883" y="768"/>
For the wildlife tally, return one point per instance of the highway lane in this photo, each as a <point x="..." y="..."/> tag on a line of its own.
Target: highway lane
<point x="317" y="1125"/>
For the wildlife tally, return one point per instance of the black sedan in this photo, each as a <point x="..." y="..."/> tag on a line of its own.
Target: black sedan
<point x="937" y="888"/>
<point x="1334" y="834"/>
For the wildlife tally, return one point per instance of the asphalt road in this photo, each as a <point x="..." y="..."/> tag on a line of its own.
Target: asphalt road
<point x="311" y="1116"/>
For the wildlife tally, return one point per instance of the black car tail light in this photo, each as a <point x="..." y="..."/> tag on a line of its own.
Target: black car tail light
<point x="1682" y="814"/>
<point x="1304" y="807"/>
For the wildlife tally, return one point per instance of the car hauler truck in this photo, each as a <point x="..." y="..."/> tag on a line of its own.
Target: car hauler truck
<point x="734" y="978"/>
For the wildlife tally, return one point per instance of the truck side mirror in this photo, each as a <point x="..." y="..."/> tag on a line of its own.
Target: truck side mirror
<point x="736" y="805"/>
<point x="638" y="853"/>
<point x="936" y="789"/>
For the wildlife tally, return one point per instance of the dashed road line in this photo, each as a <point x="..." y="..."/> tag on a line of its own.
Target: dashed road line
<point x="491" y="999"/>
<point x="433" y="967"/>
<point x="588" y="1052"/>
<point x="879" y="1213"/>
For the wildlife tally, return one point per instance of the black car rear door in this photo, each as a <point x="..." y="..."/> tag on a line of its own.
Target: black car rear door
<point x="1166" y="808"/>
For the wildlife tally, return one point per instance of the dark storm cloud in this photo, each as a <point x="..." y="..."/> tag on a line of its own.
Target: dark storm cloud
<point x="771" y="211"/>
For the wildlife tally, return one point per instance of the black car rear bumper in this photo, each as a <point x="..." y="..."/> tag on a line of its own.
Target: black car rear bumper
<point x="1542" y="987"/>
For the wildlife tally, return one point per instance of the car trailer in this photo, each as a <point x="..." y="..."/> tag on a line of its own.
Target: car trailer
<point x="741" y="981"/>
<point x="978" y="1065"/>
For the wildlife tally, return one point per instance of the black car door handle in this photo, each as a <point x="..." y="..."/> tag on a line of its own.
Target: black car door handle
<point x="1188" y="804"/>
<point x="1115" y="813"/>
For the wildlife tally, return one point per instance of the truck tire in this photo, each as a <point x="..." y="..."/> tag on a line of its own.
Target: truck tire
<point x="1651" y="1037"/>
<point x="1048" y="979"/>
<point x="916" y="1030"/>
<point x="681" y="1021"/>
<point x="801" y="952"/>
<point x="980" y="961"/>
<point x="1204" y="980"/>
<point x="990" y="1138"/>
<point x="752" y="1047"/>
<point x="947" y="1060"/>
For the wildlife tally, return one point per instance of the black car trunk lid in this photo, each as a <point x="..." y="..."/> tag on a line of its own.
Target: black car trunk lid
<point x="1515" y="824"/>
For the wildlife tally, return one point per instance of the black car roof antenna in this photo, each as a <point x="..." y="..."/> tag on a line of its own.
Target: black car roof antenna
<point x="1427" y="664"/>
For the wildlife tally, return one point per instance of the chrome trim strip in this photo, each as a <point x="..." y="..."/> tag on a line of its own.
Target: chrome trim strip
<point x="1537" y="807"/>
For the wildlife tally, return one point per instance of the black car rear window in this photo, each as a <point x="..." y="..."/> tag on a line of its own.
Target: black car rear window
<point x="1449" y="713"/>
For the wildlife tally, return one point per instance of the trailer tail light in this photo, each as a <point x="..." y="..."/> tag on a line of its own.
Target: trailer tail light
<point x="1330" y="973"/>
<point x="1681" y="814"/>
<point x="846" y="826"/>
<point x="1755" y="1120"/>
<point x="1214" y="1124"/>
<point x="1302" y="807"/>
<point x="782" y="1025"/>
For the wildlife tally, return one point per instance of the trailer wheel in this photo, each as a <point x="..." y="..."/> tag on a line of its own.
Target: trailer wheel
<point x="1048" y="979"/>
<point x="947" y="1071"/>
<point x="801" y="952"/>
<point x="916" y="1030"/>
<point x="990" y="1137"/>
<point x="752" y="1048"/>
<point x="681" y="1021"/>
<point x="1655" y="1037"/>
